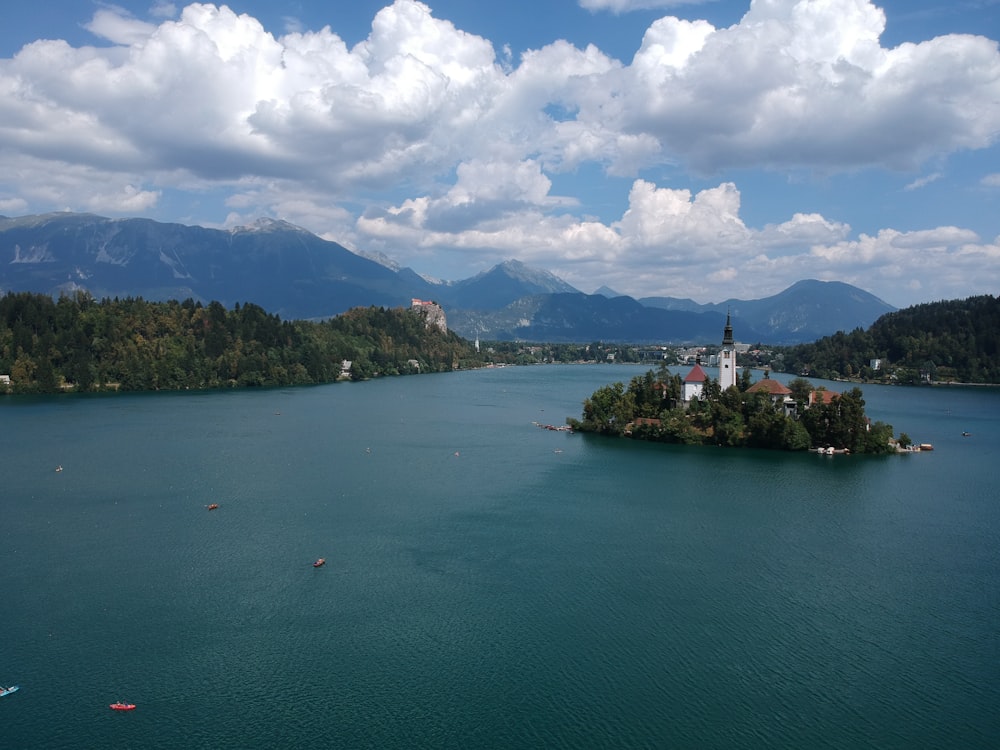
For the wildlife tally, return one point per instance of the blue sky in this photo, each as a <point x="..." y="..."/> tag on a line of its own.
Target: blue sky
<point x="698" y="149"/>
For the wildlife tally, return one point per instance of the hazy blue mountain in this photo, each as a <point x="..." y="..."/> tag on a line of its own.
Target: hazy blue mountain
<point x="606" y="291"/>
<point x="500" y="286"/>
<point x="292" y="272"/>
<point x="281" y="267"/>
<point x="585" y="317"/>
<point x="805" y="311"/>
<point x="676" y="303"/>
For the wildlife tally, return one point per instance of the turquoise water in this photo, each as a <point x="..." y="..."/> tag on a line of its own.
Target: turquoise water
<point x="488" y="583"/>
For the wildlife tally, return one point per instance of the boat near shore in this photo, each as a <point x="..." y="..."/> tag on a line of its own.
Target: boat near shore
<point x="554" y="428"/>
<point x="918" y="448"/>
<point x="831" y="451"/>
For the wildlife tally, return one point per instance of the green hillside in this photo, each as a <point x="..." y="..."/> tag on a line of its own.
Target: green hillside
<point x="80" y="344"/>
<point x="951" y="341"/>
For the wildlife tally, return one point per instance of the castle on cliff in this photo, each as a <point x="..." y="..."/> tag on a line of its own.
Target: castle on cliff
<point x="433" y="313"/>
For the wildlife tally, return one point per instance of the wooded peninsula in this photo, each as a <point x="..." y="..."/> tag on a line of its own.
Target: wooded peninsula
<point x="79" y="344"/>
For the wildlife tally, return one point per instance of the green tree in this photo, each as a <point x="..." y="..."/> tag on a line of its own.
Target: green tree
<point x="602" y="410"/>
<point x="745" y="379"/>
<point x="800" y="388"/>
<point x="795" y="437"/>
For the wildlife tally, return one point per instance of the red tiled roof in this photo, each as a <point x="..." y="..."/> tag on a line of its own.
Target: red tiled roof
<point x="822" y="397"/>
<point x="697" y="375"/>
<point x="770" y="387"/>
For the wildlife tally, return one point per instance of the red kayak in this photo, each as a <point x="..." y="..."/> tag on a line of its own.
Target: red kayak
<point x="119" y="706"/>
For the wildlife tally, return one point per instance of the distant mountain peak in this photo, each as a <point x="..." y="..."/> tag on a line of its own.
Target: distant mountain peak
<point x="815" y="285"/>
<point x="542" y="281"/>
<point x="512" y="264"/>
<point x="268" y="224"/>
<point x="502" y="284"/>
<point x="606" y="291"/>
<point x="381" y="258"/>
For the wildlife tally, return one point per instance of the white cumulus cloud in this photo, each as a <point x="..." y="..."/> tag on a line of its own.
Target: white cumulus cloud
<point x="421" y="142"/>
<point x="625" y="6"/>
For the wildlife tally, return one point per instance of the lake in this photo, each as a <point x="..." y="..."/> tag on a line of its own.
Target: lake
<point x="489" y="583"/>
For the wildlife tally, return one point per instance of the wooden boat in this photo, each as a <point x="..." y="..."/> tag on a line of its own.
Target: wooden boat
<point x="8" y="690"/>
<point x="119" y="706"/>
<point x="320" y="562"/>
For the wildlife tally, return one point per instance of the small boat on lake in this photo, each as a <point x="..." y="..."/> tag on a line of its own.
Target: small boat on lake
<point x="213" y="506"/>
<point x="119" y="706"/>
<point x="8" y="690"/>
<point x="320" y="562"/>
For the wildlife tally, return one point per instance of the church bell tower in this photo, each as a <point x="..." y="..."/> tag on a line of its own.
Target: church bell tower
<point x="727" y="357"/>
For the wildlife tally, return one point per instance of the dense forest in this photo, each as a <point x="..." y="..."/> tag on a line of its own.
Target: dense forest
<point x="953" y="341"/>
<point x="81" y="344"/>
<point x="650" y="408"/>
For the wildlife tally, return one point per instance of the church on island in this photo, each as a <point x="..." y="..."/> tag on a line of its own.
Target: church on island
<point x="780" y="394"/>
<point x="697" y="409"/>
<point x="694" y="381"/>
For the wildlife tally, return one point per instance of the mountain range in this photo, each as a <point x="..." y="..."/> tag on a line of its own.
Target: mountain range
<point x="298" y="275"/>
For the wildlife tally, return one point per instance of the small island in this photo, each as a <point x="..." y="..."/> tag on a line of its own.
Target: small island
<point x="733" y="411"/>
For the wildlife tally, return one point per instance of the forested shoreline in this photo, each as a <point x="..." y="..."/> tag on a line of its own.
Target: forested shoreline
<point x="937" y="342"/>
<point x="80" y="344"/>
<point x="77" y="343"/>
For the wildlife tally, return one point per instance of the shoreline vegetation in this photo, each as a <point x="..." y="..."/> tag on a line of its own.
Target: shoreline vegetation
<point x="936" y="343"/>
<point x="77" y="344"/>
<point x="80" y="345"/>
<point x="652" y="408"/>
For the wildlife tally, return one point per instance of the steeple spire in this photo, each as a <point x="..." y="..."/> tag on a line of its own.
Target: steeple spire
<point x="727" y="357"/>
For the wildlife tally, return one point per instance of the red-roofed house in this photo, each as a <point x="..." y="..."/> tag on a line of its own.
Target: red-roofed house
<point x="780" y="394"/>
<point x="694" y="382"/>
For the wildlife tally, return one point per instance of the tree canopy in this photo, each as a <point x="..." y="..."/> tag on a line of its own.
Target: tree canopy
<point x="81" y="344"/>
<point x="955" y="340"/>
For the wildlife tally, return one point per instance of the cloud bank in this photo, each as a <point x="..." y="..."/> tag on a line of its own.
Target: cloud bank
<point x="422" y="143"/>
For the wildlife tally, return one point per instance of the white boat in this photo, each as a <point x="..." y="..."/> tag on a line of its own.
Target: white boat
<point x="8" y="690"/>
